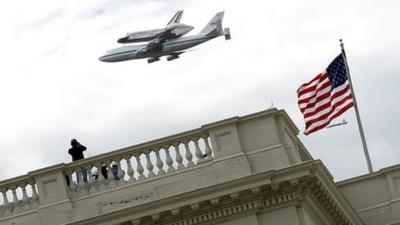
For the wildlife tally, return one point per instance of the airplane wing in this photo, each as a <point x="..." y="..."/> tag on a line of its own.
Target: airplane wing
<point x="176" y="18"/>
<point x="156" y="43"/>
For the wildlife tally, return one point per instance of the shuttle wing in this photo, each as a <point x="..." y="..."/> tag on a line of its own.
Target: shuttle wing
<point x="156" y="43"/>
<point x="141" y="36"/>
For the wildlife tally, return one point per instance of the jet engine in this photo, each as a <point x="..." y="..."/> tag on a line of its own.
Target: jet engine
<point x="151" y="60"/>
<point x="172" y="57"/>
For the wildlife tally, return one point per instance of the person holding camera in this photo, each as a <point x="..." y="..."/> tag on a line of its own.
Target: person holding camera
<point x="76" y="151"/>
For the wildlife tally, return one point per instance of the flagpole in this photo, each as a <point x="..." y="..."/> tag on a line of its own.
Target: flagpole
<point x="360" y="128"/>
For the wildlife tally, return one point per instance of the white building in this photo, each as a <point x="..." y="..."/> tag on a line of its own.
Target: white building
<point x="243" y="170"/>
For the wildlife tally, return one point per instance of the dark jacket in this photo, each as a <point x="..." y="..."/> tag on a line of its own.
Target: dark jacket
<point x="77" y="152"/>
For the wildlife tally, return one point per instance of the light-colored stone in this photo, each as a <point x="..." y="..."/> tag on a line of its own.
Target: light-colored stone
<point x="376" y="196"/>
<point x="255" y="172"/>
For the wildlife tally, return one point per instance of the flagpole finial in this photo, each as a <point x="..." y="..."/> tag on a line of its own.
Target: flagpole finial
<point x="341" y="43"/>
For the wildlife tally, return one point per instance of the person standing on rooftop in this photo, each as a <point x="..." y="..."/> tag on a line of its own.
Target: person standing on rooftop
<point x="76" y="151"/>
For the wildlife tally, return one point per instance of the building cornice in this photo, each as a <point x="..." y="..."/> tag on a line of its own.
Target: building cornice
<point x="253" y="193"/>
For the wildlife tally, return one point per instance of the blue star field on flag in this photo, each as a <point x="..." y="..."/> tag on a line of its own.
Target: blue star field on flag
<point x="337" y="71"/>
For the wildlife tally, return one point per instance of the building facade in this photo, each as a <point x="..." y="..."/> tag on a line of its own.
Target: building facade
<point x="243" y="170"/>
<point x="375" y="197"/>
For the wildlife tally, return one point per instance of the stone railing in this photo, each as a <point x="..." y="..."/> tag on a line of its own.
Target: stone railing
<point x="138" y="162"/>
<point x="18" y="194"/>
<point x="214" y="153"/>
<point x="109" y="170"/>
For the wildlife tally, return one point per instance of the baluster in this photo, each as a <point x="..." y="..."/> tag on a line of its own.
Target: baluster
<point x="6" y="203"/>
<point x="139" y="168"/>
<point x="92" y="181"/>
<point x="79" y="178"/>
<point x="121" y="173"/>
<point x="74" y="185"/>
<point x="15" y="198"/>
<point x="68" y="175"/>
<point x="35" y="195"/>
<point x="89" y="175"/>
<point x="199" y="154"/>
<point x="159" y="162"/>
<point x="168" y="159"/>
<point x="179" y="158"/>
<point x="208" y="148"/>
<point x="25" y="198"/>
<point x="130" y="170"/>
<point x="150" y="166"/>
<point x="188" y="154"/>
<point x="100" y="177"/>
<point x="110" y="175"/>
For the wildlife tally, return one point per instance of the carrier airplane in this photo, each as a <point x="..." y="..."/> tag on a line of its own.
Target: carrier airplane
<point x="167" y="42"/>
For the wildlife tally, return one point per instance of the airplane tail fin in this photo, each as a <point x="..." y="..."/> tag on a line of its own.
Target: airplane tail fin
<point x="214" y="27"/>
<point x="176" y="18"/>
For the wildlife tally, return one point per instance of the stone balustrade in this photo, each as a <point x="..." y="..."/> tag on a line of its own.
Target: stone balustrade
<point x="137" y="163"/>
<point x="112" y="169"/>
<point x="18" y="195"/>
<point x="213" y="154"/>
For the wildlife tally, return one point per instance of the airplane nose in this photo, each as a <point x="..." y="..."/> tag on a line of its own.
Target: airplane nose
<point x="103" y="59"/>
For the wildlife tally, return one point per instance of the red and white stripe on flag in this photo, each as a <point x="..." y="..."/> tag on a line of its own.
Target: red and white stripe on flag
<point x="323" y="99"/>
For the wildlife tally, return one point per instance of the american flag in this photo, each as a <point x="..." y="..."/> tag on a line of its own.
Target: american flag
<point x="325" y="97"/>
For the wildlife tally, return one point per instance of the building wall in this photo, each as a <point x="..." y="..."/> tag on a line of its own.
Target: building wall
<point x="376" y="196"/>
<point x="248" y="220"/>
<point x="284" y="216"/>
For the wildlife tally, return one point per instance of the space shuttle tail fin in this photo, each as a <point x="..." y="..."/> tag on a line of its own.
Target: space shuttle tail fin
<point x="176" y="18"/>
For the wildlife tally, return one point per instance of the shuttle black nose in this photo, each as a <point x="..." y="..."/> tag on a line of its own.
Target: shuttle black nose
<point x="123" y="40"/>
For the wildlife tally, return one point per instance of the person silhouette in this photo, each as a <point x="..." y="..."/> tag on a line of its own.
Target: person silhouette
<point x="76" y="151"/>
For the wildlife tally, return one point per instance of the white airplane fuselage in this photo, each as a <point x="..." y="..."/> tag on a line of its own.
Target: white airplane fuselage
<point x="169" y="47"/>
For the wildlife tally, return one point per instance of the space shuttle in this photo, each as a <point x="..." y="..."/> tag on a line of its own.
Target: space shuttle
<point x="173" y="28"/>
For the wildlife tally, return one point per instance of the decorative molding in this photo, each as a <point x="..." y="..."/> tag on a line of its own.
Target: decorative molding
<point x="255" y="190"/>
<point x="252" y="194"/>
<point x="232" y="209"/>
<point x="175" y="212"/>
<point x="328" y="203"/>
<point x="275" y="187"/>
<point x="259" y="199"/>
<point x="234" y="195"/>
<point x="195" y="206"/>
<point x="155" y="216"/>
<point x="214" y="201"/>
<point x="135" y="222"/>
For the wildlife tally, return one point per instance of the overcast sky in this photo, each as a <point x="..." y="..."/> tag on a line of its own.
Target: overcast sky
<point x="53" y="88"/>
